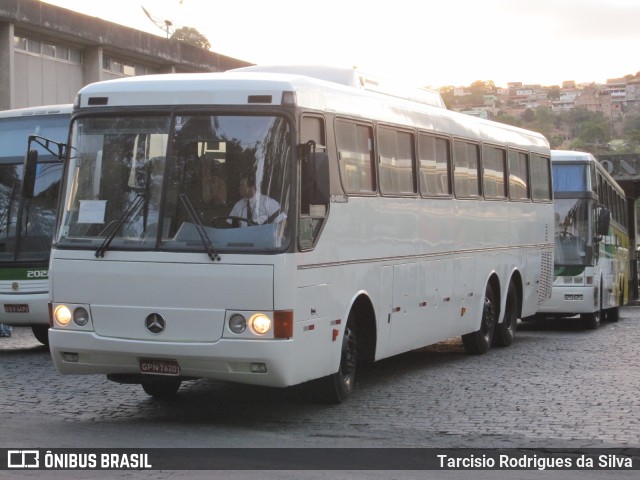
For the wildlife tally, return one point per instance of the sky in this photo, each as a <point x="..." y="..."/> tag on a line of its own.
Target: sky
<point x="423" y="42"/>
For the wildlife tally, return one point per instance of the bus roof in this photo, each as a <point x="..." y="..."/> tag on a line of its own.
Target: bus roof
<point x="570" y="155"/>
<point x="258" y="88"/>
<point x="353" y="78"/>
<point x="42" y="110"/>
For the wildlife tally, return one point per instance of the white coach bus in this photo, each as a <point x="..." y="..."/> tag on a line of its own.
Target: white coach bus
<point x="591" y="271"/>
<point x="27" y="224"/>
<point x="375" y="225"/>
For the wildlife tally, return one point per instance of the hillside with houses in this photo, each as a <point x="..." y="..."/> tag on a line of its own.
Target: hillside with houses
<point x="600" y="118"/>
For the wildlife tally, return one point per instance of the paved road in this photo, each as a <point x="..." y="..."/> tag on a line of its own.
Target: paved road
<point x="556" y="386"/>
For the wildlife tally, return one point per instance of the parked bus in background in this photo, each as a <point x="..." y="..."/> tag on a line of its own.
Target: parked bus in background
<point x="591" y="272"/>
<point x="275" y="228"/>
<point x="27" y="224"/>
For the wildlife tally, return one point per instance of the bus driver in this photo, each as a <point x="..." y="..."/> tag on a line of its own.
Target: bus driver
<point x="253" y="206"/>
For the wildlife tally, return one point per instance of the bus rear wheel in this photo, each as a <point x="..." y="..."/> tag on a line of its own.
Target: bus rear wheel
<point x="479" y="342"/>
<point x="506" y="331"/>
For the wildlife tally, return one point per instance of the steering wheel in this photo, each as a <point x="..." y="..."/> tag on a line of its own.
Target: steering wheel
<point x="222" y="222"/>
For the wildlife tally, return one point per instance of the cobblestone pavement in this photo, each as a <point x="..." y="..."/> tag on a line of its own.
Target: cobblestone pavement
<point x="556" y="386"/>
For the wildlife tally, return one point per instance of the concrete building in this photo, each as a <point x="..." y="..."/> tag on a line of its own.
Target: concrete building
<point x="48" y="53"/>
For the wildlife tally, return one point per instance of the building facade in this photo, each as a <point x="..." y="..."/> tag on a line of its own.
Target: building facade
<point x="48" y="53"/>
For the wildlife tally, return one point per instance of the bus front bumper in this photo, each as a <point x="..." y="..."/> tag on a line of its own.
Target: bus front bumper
<point x="257" y="362"/>
<point x="569" y="301"/>
<point x="24" y="309"/>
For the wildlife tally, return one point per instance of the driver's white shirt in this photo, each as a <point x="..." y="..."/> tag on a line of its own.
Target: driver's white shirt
<point x="262" y="207"/>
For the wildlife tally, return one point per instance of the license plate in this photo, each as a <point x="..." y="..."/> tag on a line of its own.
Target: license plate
<point x="157" y="366"/>
<point x="16" y="308"/>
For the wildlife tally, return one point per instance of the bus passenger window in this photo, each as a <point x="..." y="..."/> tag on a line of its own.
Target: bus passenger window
<point x="540" y="177"/>
<point x="466" y="160"/>
<point x="355" y="154"/>
<point x="434" y="155"/>
<point x="494" y="170"/>
<point x="396" y="162"/>
<point x="518" y="176"/>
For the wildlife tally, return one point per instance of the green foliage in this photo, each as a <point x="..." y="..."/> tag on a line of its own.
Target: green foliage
<point x="192" y="37"/>
<point x="508" y="119"/>
<point x="595" y="132"/>
<point x="553" y="93"/>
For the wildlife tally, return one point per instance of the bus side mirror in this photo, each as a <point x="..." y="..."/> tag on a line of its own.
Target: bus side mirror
<point x="314" y="173"/>
<point x="320" y="178"/>
<point x="604" y="219"/>
<point x="29" y="177"/>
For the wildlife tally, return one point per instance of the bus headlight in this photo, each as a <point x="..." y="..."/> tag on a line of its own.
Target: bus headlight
<point x="237" y="323"/>
<point x="80" y="316"/>
<point x="260" y="324"/>
<point x="62" y="314"/>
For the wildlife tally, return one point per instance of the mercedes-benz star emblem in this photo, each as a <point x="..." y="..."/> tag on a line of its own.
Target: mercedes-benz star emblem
<point x="155" y="323"/>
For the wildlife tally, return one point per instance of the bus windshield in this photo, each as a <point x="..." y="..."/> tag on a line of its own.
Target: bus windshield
<point x="573" y="244"/>
<point x="186" y="182"/>
<point x="27" y="225"/>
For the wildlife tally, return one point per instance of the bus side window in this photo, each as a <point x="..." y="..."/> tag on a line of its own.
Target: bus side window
<point x="355" y="156"/>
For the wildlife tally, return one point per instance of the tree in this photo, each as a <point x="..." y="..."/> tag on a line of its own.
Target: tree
<point x="553" y="93"/>
<point x="482" y="87"/>
<point x="503" y="117"/>
<point x="528" y="115"/>
<point x="594" y="132"/>
<point x="192" y="37"/>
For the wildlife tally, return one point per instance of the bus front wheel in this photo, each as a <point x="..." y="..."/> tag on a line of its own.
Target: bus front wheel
<point x="41" y="332"/>
<point x="591" y="321"/>
<point x="336" y="388"/>
<point x="162" y="388"/>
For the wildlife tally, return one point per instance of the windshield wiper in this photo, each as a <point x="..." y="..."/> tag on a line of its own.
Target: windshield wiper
<point x="121" y="221"/>
<point x="206" y="241"/>
<point x="142" y="195"/>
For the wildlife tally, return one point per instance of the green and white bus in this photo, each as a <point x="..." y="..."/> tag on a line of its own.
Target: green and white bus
<point x="27" y="224"/>
<point x="591" y="272"/>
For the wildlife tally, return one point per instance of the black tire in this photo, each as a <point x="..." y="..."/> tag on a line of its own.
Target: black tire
<point x="506" y="331"/>
<point x="591" y="321"/>
<point x="336" y="388"/>
<point x="612" y="314"/>
<point x="479" y="342"/>
<point x="162" y="388"/>
<point x="41" y="332"/>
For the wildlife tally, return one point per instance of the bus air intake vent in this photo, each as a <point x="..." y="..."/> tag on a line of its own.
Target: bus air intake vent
<point x="259" y="99"/>
<point x="98" y="100"/>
